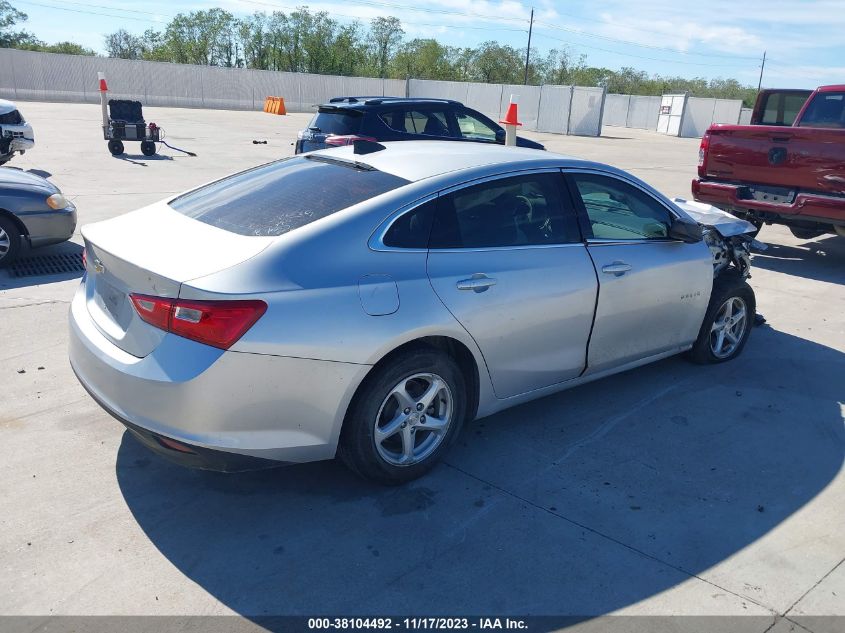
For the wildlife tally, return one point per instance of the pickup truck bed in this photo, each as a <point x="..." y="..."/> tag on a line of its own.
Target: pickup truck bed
<point x="792" y="175"/>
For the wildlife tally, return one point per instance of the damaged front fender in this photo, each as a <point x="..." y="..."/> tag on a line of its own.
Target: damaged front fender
<point x="729" y="238"/>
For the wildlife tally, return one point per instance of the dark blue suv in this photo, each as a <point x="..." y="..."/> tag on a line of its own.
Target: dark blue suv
<point x="346" y="119"/>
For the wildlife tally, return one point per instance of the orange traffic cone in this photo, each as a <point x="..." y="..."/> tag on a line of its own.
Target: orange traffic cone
<point x="510" y="116"/>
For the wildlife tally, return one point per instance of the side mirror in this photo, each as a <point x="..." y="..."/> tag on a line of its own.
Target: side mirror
<point x="500" y="136"/>
<point x="685" y="230"/>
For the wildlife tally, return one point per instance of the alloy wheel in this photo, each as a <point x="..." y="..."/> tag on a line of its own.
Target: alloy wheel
<point x="5" y="243"/>
<point x="728" y="327"/>
<point x="413" y="419"/>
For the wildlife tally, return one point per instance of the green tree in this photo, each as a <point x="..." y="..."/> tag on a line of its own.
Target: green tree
<point x="9" y="38"/>
<point x="124" y="45"/>
<point x="385" y="37"/>
<point x="423" y="59"/>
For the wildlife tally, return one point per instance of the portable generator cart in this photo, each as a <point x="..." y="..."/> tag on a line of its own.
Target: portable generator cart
<point x="123" y="120"/>
<point x="126" y="123"/>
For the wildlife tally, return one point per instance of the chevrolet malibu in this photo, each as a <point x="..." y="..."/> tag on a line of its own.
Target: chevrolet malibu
<point x="368" y="301"/>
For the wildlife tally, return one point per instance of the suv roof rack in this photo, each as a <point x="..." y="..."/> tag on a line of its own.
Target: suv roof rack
<point x="376" y="100"/>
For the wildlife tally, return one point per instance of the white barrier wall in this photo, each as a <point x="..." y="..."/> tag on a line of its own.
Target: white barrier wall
<point x="643" y="112"/>
<point x="745" y="116"/>
<point x="53" y="77"/>
<point x="701" y="112"/>
<point x="38" y="76"/>
<point x="555" y="102"/>
<point x="683" y="116"/>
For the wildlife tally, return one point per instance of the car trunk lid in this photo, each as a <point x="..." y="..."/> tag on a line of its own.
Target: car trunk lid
<point x="152" y="252"/>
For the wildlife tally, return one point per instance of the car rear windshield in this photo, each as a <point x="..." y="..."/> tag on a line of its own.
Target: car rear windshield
<point x="282" y="196"/>
<point x="827" y="109"/>
<point x="337" y="121"/>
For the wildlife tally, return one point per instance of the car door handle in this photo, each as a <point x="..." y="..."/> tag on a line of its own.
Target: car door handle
<point x="616" y="268"/>
<point x="479" y="282"/>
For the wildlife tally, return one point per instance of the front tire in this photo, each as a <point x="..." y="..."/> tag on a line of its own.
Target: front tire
<point x="727" y="322"/>
<point x="10" y="241"/>
<point x="148" y="148"/>
<point x="116" y="147"/>
<point x="405" y="415"/>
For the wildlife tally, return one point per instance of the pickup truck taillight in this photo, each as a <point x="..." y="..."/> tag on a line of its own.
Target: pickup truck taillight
<point x="702" y="155"/>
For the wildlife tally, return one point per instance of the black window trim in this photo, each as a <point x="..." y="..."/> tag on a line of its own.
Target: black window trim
<point x="583" y="217"/>
<point x="376" y="241"/>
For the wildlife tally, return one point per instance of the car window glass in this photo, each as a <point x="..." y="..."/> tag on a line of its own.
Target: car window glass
<point x="617" y="210"/>
<point x="827" y="109"/>
<point x="410" y="121"/>
<point x="474" y="128"/>
<point x="282" y="196"/>
<point x="781" y="108"/>
<point x="412" y="229"/>
<point x="518" y="211"/>
<point x="337" y="122"/>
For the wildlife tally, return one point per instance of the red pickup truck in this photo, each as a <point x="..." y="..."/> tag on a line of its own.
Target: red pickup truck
<point x="779" y="170"/>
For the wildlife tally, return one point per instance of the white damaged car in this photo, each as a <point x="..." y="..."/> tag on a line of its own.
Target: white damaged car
<point x="16" y="134"/>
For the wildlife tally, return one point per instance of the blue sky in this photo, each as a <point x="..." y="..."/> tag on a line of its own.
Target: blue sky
<point x="712" y="38"/>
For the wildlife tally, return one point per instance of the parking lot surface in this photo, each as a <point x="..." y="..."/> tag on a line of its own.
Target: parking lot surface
<point x="671" y="489"/>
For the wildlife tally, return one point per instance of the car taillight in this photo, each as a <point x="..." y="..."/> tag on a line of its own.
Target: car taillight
<point x="216" y="323"/>
<point x="702" y="154"/>
<point x="339" y="140"/>
<point x="85" y="258"/>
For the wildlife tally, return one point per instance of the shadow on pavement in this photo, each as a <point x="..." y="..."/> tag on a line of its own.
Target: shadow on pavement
<point x="577" y="504"/>
<point x="822" y="259"/>
<point x="8" y="280"/>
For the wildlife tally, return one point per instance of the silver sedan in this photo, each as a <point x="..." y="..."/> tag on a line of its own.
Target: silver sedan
<point x="368" y="301"/>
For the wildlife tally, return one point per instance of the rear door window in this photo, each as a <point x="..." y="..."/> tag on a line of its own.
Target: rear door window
<point x="282" y="196"/>
<point x="416" y="121"/>
<point x="517" y="211"/>
<point x="473" y="127"/>
<point x="827" y="109"/>
<point x="338" y="121"/>
<point x="781" y="108"/>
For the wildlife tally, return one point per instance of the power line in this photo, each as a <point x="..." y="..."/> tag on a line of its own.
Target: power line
<point x="546" y="25"/>
<point x="654" y="59"/>
<point x="108" y="15"/>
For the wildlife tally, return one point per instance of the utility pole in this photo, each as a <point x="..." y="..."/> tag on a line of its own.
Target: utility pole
<point x="762" y="66"/>
<point x="528" y="50"/>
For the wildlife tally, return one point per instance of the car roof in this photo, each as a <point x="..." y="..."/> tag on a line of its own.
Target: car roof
<point x="833" y="88"/>
<point x="418" y="160"/>
<point x="358" y="103"/>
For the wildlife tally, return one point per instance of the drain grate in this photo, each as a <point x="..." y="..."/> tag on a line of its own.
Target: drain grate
<point x="57" y="264"/>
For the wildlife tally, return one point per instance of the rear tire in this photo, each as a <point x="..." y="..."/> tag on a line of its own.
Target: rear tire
<point x="116" y="147"/>
<point x="392" y="439"/>
<point x="723" y="333"/>
<point x="10" y="241"/>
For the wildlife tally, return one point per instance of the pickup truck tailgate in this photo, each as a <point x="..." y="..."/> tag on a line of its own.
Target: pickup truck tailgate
<point x="809" y="159"/>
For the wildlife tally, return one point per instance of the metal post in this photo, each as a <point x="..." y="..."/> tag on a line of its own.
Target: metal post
<point x="101" y="77"/>
<point x="762" y="66"/>
<point x="528" y="50"/>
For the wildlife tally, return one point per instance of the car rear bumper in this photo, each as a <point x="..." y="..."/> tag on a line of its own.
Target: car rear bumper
<point x="215" y="409"/>
<point x="805" y="206"/>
